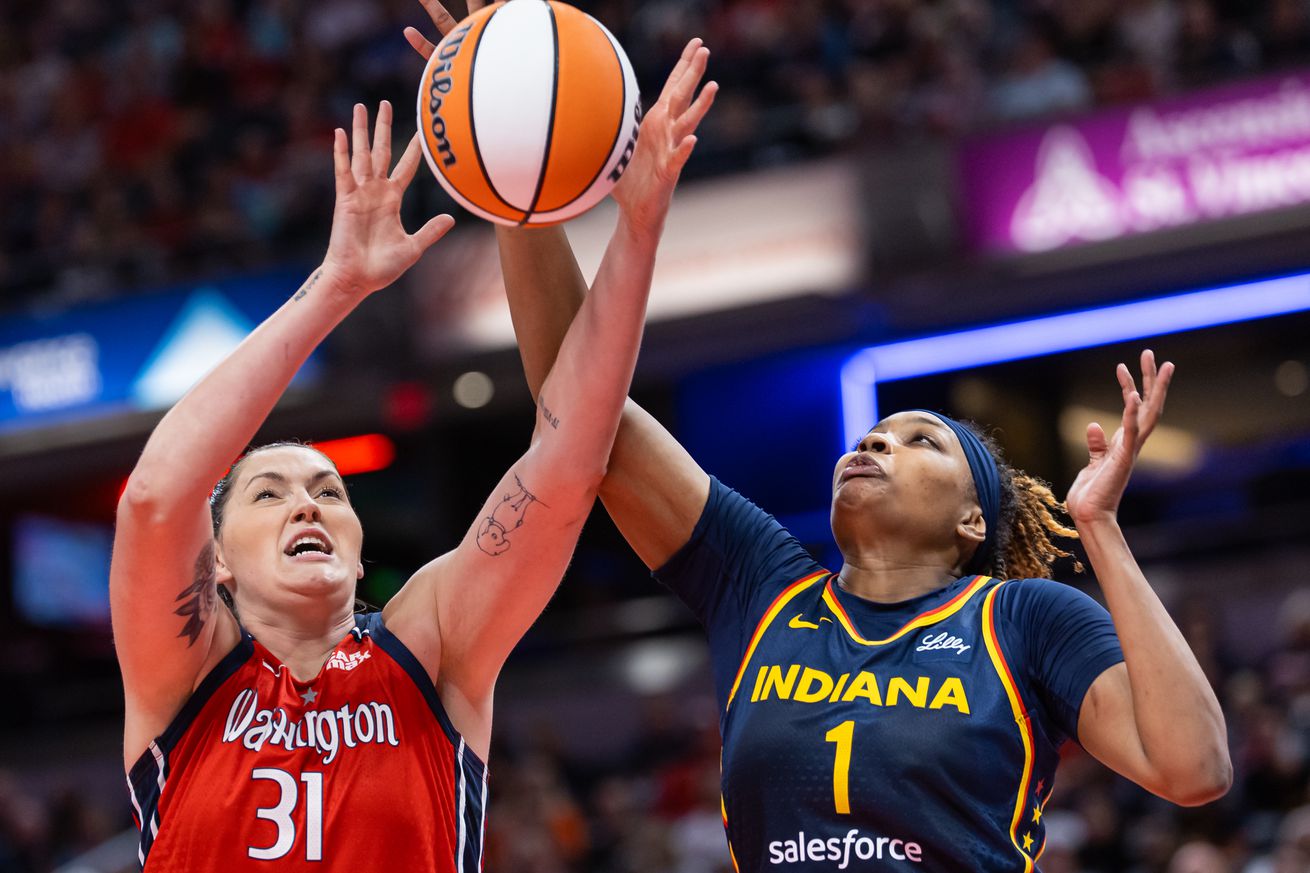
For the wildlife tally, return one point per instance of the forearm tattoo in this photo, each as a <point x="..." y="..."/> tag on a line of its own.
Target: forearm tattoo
<point x="309" y="283"/>
<point x="198" y="598"/>
<point x="493" y="533"/>
<point x="546" y="414"/>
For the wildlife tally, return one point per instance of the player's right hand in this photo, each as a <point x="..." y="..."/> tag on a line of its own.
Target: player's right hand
<point x="441" y="19"/>
<point x="369" y="247"/>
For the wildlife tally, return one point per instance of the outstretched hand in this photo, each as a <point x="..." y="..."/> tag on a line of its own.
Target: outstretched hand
<point x="1095" y="494"/>
<point x="442" y="20"/>
<point x="369" y="248"/>
<point x="666" y="141"/>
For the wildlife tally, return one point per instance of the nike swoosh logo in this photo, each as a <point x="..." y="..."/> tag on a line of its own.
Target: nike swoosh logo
<point x="801" y="624"/>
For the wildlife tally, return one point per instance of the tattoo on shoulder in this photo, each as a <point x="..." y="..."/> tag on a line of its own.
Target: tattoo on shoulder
<point x="551" y="420"/>
<point x="309" y="283"/>
<point x="509" y="514"/>
<point x="198" y="598"/>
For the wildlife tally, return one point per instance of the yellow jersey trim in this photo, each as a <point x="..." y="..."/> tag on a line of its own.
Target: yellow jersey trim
<point x="1021" y="719"/>
<point x="770" y="614"/>
<point x="932" y="616"/>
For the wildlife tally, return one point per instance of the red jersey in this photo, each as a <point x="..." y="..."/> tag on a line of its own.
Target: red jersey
<point x="357" y="769"/>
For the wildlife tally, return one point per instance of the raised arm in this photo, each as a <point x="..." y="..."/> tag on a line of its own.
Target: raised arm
<point x="654" y="490"/>
<point x="162" y="580"/>
<point x="1153" y="718"/>
<point x="497" y="581"/>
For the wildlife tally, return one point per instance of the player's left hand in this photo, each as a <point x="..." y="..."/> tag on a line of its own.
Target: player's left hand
<point x="442" y="20"/>
<point x="1095" y="494"/>
<point x="666" y="142"/>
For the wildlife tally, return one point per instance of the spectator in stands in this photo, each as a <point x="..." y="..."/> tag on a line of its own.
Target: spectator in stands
<point x="1037" y="81"/>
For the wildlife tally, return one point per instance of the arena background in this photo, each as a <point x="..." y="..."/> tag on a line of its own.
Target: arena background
<point x="879" y="179"/>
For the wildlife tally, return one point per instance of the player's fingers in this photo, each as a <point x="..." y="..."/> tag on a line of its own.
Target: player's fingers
<point x="475" y="5"/>
<point x="675" y="76"/>
<point x="1126" y="384"/>
<point x="691" y="119"/>
<point x="1148" y="372"/>
<point x="443" y="20"/>
<point x="408" y="163"/>
<point x="685" y="88"/>
<point x="683" y="152"/>
<point x="1159" y="386"/>
<point x="419" y="42"/>
<point x="361" y="162"/>
<point x="1131" y="427"/>
<point x="1153" y="403"/>
<point x="382" y="140"/>
<point x="341" y="163"/>
<point x="1095" y="441"/>
<point x="1162" y="381"/>
<point x="433" y="230"/>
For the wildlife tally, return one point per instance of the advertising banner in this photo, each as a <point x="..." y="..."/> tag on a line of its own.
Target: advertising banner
<point x="1201" y="157"/>
<point x="129" y="354"/>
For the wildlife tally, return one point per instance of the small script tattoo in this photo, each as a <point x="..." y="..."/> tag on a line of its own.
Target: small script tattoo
<point x="309" y="283"/>
<point x="493" y="533"/>
<point x="551" y="420"/>
<point x="198" y="598"/>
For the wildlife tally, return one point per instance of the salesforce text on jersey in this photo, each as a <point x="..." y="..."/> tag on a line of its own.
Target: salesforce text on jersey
<point x="842" y="849"/>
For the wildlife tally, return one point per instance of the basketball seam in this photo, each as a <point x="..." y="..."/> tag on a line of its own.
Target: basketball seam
<point x="473" y="125"/>
<point x="618" y="129"/>
<point x="550" y="122"/>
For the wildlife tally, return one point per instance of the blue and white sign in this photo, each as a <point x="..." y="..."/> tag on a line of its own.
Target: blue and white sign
<point x="128" y="355"/>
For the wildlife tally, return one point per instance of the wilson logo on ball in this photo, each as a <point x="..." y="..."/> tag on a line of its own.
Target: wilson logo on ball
<point x="529" y="112"/>
<point x="439" y="86"/>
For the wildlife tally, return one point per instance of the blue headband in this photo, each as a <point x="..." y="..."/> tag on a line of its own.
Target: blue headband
<point x="986" y="481"/>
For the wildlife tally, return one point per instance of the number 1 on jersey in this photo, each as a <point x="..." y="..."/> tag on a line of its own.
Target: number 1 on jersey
<point x="843" y="735"/>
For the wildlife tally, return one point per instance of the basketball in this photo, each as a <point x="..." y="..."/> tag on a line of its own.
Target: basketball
<point x="529" y="112"/>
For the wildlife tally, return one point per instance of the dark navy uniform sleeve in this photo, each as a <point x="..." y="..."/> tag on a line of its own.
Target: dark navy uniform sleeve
<point x="1065" y="640"/>
<point x="736" y="562"/>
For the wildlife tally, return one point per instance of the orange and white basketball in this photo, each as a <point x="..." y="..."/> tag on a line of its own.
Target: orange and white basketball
<point x="529" y="112"/>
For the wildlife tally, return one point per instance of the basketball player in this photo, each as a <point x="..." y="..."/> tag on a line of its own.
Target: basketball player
<point x="279" y="730"/>
<point x="906" y="712"/>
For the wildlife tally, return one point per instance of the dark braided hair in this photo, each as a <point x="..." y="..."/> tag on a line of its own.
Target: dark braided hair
<point x="1032" y="517"/>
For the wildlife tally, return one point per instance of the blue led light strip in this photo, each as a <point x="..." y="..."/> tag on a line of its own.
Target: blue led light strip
<point x="1051" y="334"/>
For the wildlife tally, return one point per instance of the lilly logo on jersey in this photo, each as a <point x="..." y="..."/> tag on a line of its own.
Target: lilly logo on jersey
<point x="326" y="731"/>
<point x="840" y="849"/>
<point x="942" y="640"/>
<point x="816" y="686"/>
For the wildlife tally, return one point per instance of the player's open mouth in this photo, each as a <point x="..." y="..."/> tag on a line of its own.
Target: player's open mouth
<point x="312" y="543"/>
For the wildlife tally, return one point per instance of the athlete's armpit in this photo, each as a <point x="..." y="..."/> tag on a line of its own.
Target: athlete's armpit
<point x="198" y="598"/>
<point x="508" y="515"/>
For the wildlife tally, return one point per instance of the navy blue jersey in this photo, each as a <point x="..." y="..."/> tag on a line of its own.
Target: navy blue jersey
<point x="914" y="736"/>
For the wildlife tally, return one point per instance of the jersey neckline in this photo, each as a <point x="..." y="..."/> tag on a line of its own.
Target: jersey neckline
<point x="922" y="611"/>
<point x="358" y="631"/>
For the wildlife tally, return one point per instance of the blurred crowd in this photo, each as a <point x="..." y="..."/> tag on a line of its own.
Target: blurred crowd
<point x="153" y="140"/>
<point x="652" y="806"/>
